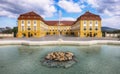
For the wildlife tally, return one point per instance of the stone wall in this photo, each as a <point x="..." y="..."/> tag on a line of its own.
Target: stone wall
<point x="112" y="34"/>
<point x="7" y="35"/>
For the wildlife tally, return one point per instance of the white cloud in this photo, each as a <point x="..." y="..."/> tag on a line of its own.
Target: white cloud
<point x="45" y="8"/>
<point x="9" y="14"/>
<point x="108" y="7"/>
<point x="93" y="3"/>
<point x="70" y="6"/>
<point x="108" y="12"/>
<point x="111" y="22"/>
<point x="68" y="19"/>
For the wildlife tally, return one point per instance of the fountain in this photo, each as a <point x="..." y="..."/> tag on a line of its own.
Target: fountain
<point x="59" y="38"/>
<point x="59" y="59"/>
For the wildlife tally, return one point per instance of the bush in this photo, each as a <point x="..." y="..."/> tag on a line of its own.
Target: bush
<point x="118" y="37"/>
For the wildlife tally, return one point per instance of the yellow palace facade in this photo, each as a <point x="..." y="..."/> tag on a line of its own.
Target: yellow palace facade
<point x="33" y="25"/>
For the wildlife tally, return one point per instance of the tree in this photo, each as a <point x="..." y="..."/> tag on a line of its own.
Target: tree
<point x="15" y="30"/>
<point x="7" y="31"/>
<point x="119" y="37"/>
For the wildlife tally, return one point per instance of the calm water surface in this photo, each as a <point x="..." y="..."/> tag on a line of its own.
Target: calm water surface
<point x="95" y="59"/>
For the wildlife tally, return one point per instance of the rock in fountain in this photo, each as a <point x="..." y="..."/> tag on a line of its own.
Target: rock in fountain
<point x="59" y="59"/>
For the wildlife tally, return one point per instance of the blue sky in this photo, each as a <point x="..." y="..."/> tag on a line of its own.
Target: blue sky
<point x="109" y="10"/>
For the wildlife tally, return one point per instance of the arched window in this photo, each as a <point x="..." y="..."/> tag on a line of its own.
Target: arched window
<point x="53" y="32"/>
<point x="66" y="33"/>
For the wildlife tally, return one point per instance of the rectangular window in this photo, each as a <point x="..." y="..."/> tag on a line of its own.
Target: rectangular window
<point x="22" y="22"/>
<point x="22" y="28"/>
<point x="90" y="23"/>
<point x="28" y="27"/>
<point x="84" y="28"/>
<point x="90" y="28"/>
<point x="28" y="21"/>
<point x="34" y="28"/>
<point x="84" y="22"/>
<point x="34" y="22"/>
<point x="96" y="23"/>
<point x="96" y="28"/>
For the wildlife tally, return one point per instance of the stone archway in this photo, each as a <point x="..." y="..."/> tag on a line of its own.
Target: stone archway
<point x="47" y="33"/>
<point x="60" y="32"/>
<point x="90" y="34"/>
<point x="54" y="33"/>
<point x="66" y="33"/>
<point x="23" y="35"/>
<point x="29" y="34"/>
<point x="95" y="34"/>
<point x="72" y="33"/>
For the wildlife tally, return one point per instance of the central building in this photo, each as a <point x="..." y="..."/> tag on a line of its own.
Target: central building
<point x="33" y="25"/>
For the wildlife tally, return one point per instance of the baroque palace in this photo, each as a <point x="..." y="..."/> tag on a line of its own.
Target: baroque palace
<point x="33" y="25"/>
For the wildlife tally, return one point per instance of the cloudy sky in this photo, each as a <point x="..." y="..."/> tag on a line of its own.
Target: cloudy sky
<point x="109" y="10"/>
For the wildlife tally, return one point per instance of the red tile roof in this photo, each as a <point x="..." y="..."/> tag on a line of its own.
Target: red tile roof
<point x="34" y="16"/>
<point x="62" y="23"/>
<point x="29" y="16"/>
<point x="89" y="16"/>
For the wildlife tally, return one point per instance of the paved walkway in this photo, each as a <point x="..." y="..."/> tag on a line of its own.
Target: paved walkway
<point x="64" y="38"/>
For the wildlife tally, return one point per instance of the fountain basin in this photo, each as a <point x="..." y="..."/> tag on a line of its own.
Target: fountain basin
<point x="23" y="42"/>
<point x="92" y="59"/>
